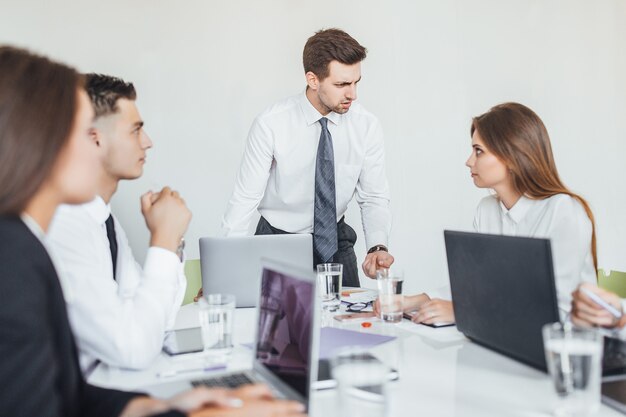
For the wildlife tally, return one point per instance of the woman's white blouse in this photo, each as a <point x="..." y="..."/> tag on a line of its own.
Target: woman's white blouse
<point x="560" y="218"/>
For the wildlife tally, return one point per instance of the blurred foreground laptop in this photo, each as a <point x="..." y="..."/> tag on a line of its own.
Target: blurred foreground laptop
<point x="286" y="344"/>
<point x="503" y="292"/>
<point x="232" y="265"/>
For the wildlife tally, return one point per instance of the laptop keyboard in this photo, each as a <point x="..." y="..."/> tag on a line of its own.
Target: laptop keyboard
<point x="226" y="381"/>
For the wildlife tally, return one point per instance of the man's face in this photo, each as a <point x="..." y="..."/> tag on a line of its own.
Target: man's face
<point x="337" y="91"/>
<point x="123" y="141"/>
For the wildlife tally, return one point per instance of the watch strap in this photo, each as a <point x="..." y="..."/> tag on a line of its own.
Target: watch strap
<point x="377" y="248"/>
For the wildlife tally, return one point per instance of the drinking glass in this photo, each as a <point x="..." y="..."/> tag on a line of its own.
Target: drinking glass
<point x="329" y="278"/>
<point x="390" y="296"/>
<point x="361" y="383"/>
<point x="216" y="322"/>
<point x="574" y="356"/>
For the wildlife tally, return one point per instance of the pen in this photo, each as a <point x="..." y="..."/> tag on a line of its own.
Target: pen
<point x="174" y="372"/>
<point x="596" y="299"/>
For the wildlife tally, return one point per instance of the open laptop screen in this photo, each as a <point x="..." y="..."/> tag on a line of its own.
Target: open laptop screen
<point x="284" y="328"/>
<point x="503" y="292"/>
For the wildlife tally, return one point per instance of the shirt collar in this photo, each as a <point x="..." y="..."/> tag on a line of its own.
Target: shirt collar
<point x="98" y="209"/>
<point x="311" y="115"/>
<point x="519" y="209"/>
<point x="33" y="226"/>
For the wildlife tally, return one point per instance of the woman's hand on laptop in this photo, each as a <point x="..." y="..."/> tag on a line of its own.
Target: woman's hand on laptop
<point x="201" y="397"/>
<point x="253" y="392"/>
<point x="586" y="312"/>
<point x="259" y="408"/>
<point x="253" y="400"/>
<point x="196" y="401"/>
<point x="434" y="311"/>
<point x="249" y="400"/>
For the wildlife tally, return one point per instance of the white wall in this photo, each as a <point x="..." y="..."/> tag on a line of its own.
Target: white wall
<point x="204" y="69"/>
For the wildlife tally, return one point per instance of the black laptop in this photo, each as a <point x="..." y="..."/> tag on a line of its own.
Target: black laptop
<point x="614" y="374"/>
<point x="503" y="292"/>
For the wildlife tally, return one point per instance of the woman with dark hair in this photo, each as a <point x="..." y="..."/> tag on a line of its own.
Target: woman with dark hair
<point x="511" y="154"/>
<point x="47" y="159"/>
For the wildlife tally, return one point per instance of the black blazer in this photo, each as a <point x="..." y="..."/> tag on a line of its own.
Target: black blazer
<point x="39" y="371"/>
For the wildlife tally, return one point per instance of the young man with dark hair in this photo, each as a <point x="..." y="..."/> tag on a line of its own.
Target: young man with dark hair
<point x="118" y="310"/>
<point x="309" y="154"/>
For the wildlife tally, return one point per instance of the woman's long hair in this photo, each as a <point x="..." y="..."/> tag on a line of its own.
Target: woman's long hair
<point x="38" y="103"/>
<point x="518" y="137"/>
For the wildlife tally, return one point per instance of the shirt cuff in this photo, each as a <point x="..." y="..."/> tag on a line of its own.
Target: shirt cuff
<point x="161" y="263"/>
<point x="376" y="238"/>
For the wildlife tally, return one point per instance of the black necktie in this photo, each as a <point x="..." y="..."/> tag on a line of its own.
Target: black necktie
<point x="325" y="212"/>
<point x="112" y="241"/>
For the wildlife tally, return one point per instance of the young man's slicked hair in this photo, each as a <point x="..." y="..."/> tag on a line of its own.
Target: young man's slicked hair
<point x="330" y="45"/>
<point x="105" y="90"/>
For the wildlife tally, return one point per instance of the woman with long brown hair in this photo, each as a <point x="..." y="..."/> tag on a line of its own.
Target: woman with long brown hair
<point x="511" y="154"/>
<point x="48" y="159"/>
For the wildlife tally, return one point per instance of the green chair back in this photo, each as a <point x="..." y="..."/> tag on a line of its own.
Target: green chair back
<point x="194" y="279"/>
<point x="615" y="282"/>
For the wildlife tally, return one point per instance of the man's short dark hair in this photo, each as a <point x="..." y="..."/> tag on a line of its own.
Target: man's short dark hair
<point x="331" y="45"/>
<point x="105" y="90"/>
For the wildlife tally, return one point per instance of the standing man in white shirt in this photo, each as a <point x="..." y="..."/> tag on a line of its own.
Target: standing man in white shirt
<point x="118" y="310"/>
<point x="309" y="154"/>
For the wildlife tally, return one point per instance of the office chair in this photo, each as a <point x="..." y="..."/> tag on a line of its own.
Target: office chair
<point x="194" y="279"/>
<point x="615" y="282"/>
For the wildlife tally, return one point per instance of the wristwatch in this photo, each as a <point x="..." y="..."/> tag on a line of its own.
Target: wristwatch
<point x="377" y="248"/>
<point x="180" y="249"/>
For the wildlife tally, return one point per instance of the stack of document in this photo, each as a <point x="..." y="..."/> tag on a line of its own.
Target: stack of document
<point x="358" y="295"/>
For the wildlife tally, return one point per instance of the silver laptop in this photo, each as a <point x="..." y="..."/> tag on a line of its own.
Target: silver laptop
<point x="286" y="346"/>
<point x="232" y="265"/>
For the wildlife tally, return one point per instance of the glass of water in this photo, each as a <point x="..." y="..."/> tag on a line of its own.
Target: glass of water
<point x="361" y="383"/>
<point x="574" y="356"/>
<point x="216" y="323"/>
<point x="329" y="277"/>
<point x="390" y="296"/>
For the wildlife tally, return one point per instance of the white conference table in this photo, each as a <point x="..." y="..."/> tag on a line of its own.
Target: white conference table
<point x="441" y="372"/>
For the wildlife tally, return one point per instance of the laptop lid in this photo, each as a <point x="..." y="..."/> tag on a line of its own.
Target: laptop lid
<point x="503" y="292"/>
<point x="232" y="265"/>
<point x="286" y="343"/>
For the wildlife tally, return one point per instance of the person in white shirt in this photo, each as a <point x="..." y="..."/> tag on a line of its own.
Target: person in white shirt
<point x="118" y="310"/>
<point x="512" y="155"/>
<point x="308" y="155"/>
<point x="586" y="312"/>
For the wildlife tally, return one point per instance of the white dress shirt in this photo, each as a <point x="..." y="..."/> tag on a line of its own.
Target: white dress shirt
<point x="277" y="173"/>
<point x="559" y="218"/>
<point x="120" y="322"/>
